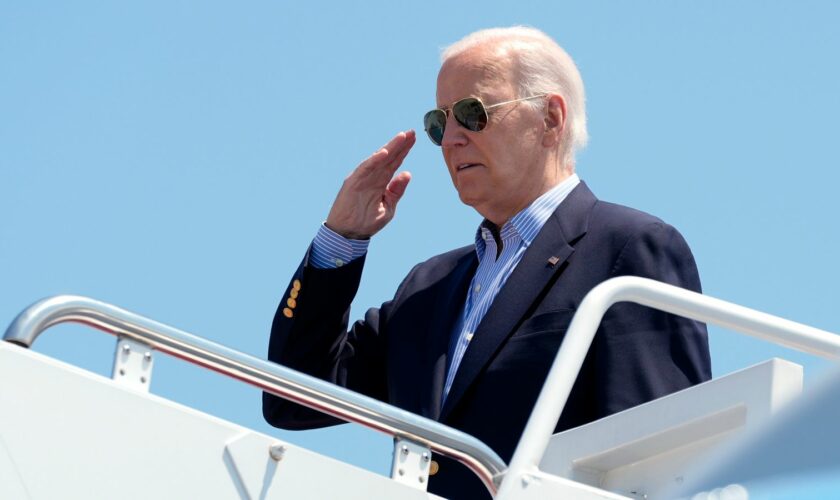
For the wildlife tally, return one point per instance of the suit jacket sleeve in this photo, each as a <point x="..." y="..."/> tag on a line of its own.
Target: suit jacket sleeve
<point x="640" y="353"/>
<point x="312" y="337"/>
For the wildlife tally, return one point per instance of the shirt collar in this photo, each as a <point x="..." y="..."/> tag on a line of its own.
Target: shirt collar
<point x="526" y="224"/>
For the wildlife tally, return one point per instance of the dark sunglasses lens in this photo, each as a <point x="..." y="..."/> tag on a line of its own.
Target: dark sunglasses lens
<point x="435" y="122"/>
<point x="471" y="114"/>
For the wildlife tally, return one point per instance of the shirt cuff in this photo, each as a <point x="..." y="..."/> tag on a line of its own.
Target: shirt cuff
<point x="331" y="250"/>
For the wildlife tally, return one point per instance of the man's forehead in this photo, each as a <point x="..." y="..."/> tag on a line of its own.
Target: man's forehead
<point x="491" y="61"/>
<point x="474" y="70"/>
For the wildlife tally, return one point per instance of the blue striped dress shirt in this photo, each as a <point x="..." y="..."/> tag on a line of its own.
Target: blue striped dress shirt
<point x="330" y="250"/>
<point x="495" y="267"/>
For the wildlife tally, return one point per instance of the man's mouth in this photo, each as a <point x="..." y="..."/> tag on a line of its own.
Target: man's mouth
<point x="465" y="166"/>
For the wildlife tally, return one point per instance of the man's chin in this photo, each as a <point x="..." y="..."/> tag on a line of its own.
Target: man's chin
<point x="471" y="199"/>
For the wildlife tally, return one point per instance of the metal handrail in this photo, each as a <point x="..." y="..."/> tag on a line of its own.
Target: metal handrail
<point x="270" y="377"/>
<point x="668" y="298"/>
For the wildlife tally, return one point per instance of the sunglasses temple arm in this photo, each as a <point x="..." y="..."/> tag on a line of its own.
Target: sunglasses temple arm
<point x="515" y="100"/>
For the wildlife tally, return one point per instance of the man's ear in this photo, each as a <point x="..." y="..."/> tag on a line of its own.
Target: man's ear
<point x="555" y="120"/>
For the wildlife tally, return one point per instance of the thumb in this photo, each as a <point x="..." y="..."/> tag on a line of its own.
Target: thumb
<point x="396" y="188"/>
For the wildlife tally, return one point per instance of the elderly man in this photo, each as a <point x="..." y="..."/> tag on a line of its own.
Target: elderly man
<point x="470" y="334"/>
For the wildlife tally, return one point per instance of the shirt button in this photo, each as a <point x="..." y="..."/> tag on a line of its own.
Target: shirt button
<point x="339" y="262"/>
<point x="477" y="288"/>
<point x="469" y="336"/>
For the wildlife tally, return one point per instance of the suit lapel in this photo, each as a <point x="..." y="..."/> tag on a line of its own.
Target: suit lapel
<point x="453" y="290"/>
<point x="542" y="261"/>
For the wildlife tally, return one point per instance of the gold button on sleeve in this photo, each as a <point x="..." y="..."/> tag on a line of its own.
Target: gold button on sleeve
<point x="296" y="285"/>
<point x="287" y="312"/>
<point x="293" y="294"/>
<point x="433" y="468"/>
<point x="291" y="303"/>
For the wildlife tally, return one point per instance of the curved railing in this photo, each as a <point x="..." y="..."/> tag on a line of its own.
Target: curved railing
<point x="668" y="298"/>
<point x="270" y="377"/>
<point x="354" y="407"/>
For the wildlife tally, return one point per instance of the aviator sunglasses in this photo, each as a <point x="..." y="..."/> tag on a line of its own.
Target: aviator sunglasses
<point x="470" y="113"/>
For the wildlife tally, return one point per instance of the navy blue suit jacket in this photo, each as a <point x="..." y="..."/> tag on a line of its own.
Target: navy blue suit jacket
<point x="398" y="352"/>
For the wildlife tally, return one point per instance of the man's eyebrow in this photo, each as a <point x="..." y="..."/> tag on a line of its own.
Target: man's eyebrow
<point x="448" y="106"/>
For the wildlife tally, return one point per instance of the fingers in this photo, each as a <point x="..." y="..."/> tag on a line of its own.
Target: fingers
<point x="397" y="142"/>
<point x="392" y="154"/>
<point x="397" y="155"/>
<point x="367" y="198"/>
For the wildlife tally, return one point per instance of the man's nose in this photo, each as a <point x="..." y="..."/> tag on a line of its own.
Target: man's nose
<point x="453" y="134"/>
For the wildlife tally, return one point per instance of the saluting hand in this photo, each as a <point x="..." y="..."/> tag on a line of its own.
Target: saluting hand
<point x="368" y="198"/>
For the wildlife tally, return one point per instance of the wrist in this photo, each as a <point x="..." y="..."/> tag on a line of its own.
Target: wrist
<point x="350" y="235"/>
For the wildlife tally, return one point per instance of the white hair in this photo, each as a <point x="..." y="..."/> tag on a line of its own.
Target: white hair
<point x="543" y="67"/>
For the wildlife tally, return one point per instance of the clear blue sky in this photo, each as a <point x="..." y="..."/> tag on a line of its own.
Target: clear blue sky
<point x="175" y="158"/>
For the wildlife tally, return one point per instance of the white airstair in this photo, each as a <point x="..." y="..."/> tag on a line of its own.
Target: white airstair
<point x="69" y="433"/>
